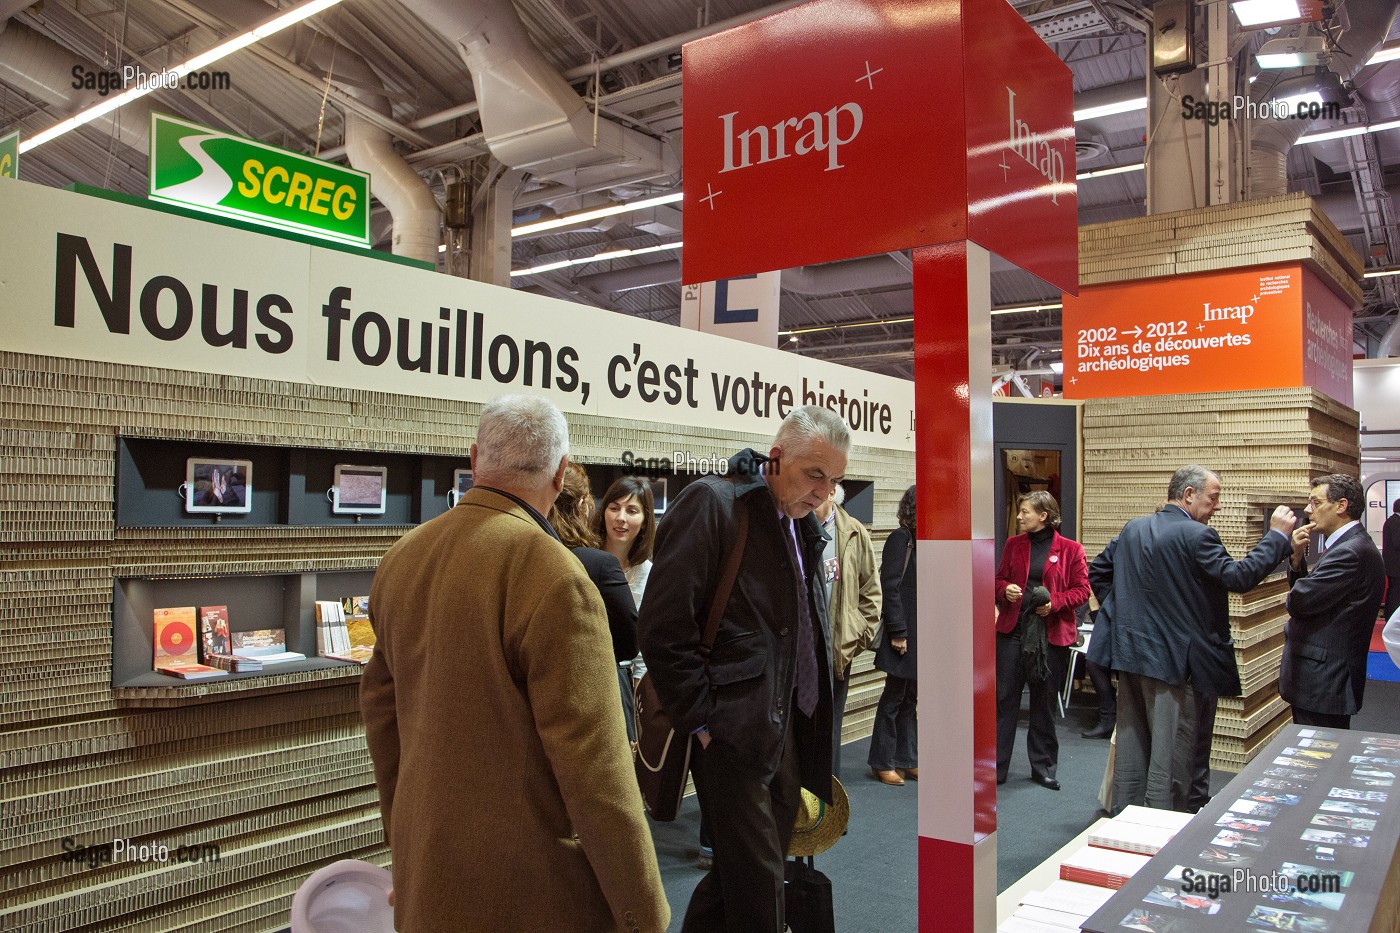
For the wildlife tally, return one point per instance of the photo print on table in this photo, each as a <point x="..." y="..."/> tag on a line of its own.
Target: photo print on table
<point x="1291" y="774"/>
<point x="1166" y="896"/>
<point x="1296" y="898"/>
<point x="1357" y="824"/>
<point x="1331" y="837"/>
<point x="1248" y="806"/>
<point x="1263" y="793"/>
<point x="1227" y="857"/>
<point x="1154" y="921"/>
<point x="1276" y="918"/>
<point x="1242" y="824"/>
<point x="1318" y="743"/>
<point x="1348" y="806"/>
<point x="1348" y="793"/>
<point x="1293" y="870"/>
<point x="1374" y="760"/>
<point x="1382" y="741"/>
<point x="1280" y="784"/>
<point x="1313" y="753"/>
<point x="1288" y="762"/>
<point x="1243" y="841"/>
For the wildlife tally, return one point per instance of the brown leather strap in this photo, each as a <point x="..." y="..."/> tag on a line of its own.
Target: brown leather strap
<point x="726" y="583"/>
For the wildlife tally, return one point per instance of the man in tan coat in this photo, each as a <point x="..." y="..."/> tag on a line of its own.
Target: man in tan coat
<point x="853" y="592"/>
<point x="490" y="706"/>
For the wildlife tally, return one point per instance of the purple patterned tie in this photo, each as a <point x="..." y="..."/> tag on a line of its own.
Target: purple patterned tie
<point x="806" y="645"/>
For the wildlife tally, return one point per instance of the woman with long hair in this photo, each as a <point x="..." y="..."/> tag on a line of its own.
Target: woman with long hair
<point x="626" y="526"/>
<point x="571" y="518"/>
<point x="1041" y="581"/>
<point x="894" y="747"/>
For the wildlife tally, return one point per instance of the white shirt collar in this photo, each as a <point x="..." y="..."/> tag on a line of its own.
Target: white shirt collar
<point x="1328" y="540"/>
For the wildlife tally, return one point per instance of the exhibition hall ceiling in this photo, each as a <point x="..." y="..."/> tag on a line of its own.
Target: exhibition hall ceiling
<point x="391" y="66"/>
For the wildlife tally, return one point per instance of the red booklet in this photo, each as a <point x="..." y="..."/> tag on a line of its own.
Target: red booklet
<point x="191" y="671"/>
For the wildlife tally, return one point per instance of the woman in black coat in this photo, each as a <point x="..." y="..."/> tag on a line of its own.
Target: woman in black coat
<point x="570" y="517"/>
<point x="894" y="748"/>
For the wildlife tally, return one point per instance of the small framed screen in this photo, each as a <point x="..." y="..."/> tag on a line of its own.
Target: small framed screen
<point x="359" y="490"/>
<point x="215" y="485"/>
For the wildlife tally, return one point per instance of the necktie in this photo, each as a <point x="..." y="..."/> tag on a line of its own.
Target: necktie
<point x="806" y="645"/>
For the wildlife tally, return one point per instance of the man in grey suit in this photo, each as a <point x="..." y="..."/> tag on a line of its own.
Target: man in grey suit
<point x="1164" y="626"/>
<point x="1331" y="608"/>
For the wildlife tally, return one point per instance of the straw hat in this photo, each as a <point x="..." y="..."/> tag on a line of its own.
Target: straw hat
<point x="820" y="824"/>
<point x="349" y="896"/>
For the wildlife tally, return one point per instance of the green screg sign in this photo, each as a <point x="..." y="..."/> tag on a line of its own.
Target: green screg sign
<point x="200" y="168"/>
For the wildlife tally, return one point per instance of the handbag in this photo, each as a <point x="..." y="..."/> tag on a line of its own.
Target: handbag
<point x="661" y="756"/>
<point x="807" y="902"/>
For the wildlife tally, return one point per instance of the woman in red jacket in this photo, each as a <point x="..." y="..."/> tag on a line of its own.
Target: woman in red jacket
<point x="1042" y="579"/>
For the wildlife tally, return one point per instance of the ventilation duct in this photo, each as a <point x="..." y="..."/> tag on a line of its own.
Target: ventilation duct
<point x="531" y="118"/>
<point x="1271" y="139"/>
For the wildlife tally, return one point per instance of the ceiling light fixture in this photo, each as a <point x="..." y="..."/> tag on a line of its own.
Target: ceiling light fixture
<point x="1108" y="110"/>
<point x="1353" y="130"/>
<point x="1116" y="170"/>
<point x="1294" y="52"/>
<point x="1256" y="14"/>
<point x="271" y="27"/>
<point x="1382" y="273"/>
<point x="1020" y="308"/>
<point x="1385" y="55"/>
<point x="582" y="216"/>
<point x="597" y="257"/>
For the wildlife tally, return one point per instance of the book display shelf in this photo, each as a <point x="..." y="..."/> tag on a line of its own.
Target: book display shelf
<point x="274" y="601"/>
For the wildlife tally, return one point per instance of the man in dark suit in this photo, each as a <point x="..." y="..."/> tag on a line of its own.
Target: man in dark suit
<point x="1390" y="552"/>
<point x="1164" y="626"/>
<point x="759" y="703"/>
<point x="1332" y="608"/>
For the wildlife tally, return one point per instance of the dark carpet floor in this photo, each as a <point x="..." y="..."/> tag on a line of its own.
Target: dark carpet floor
<point x="874" y="867"/>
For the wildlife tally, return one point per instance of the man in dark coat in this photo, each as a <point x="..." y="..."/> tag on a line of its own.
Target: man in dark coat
<point x="1390" y="553"/>
<point x="1164" y="626"/>
<point x="759" y="706"/>
<point x="1332" y="608"/>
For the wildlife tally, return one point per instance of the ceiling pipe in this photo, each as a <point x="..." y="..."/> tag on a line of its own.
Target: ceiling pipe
<point x="1272" y="139"/>
<point x="1390" y="341"/>
<point x="531" y="117"/>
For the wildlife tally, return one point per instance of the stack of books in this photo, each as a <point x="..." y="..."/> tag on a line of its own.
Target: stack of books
<point x="266" y="645"/>
<point x="333" y="635"/>
<point x="1138" y="829"/>
<point x="233" y="662"/>
<point x="189" y="670"/>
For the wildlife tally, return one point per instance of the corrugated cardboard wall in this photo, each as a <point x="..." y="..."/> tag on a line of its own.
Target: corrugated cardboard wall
<point x="272" y="770"/>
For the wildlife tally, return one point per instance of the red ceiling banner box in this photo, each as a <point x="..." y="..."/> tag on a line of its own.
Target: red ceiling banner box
<point x="1270" y="327"/>
<point x="843" y="128"/>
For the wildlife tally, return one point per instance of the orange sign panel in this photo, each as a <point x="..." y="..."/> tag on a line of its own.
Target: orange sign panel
<point x="1210" y="332"/>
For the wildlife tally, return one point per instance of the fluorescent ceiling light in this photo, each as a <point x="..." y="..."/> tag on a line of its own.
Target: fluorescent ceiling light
<point x="1108" y="110"/>
<point x="1293" y="52"/>
<point x="1020" y="308"/>
<point x="1385" y="55"/>
<point x="272" y="26"/>
<point x="1058" y="368"/>
<point x="1354" y="130"/>
<point x="597" y="257"/>
<point x="1116" y="170"/>
<point x="608" y="211"/>
<point x="1381" y="274"/>
<point x="1261" y="12"/>
<point x="1292" y="101"/>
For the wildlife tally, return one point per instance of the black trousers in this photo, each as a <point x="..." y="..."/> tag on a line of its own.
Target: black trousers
<point x="1042" y="743"/>
<point x="1306" y="717"/>
<point x="1196" y="793"/>
<point x="1102" y="678"/>
<point x="1392" y="596"/>
<point x="750" y="826"/>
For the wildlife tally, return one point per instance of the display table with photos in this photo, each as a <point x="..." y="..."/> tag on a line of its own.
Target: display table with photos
<point x="1303" y="839"/>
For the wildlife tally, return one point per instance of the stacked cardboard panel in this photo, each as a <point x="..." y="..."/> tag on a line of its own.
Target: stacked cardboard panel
<point x="1289" y="228"/>
<point x="1267" y="446"/>
<point x="272" y="770"/>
